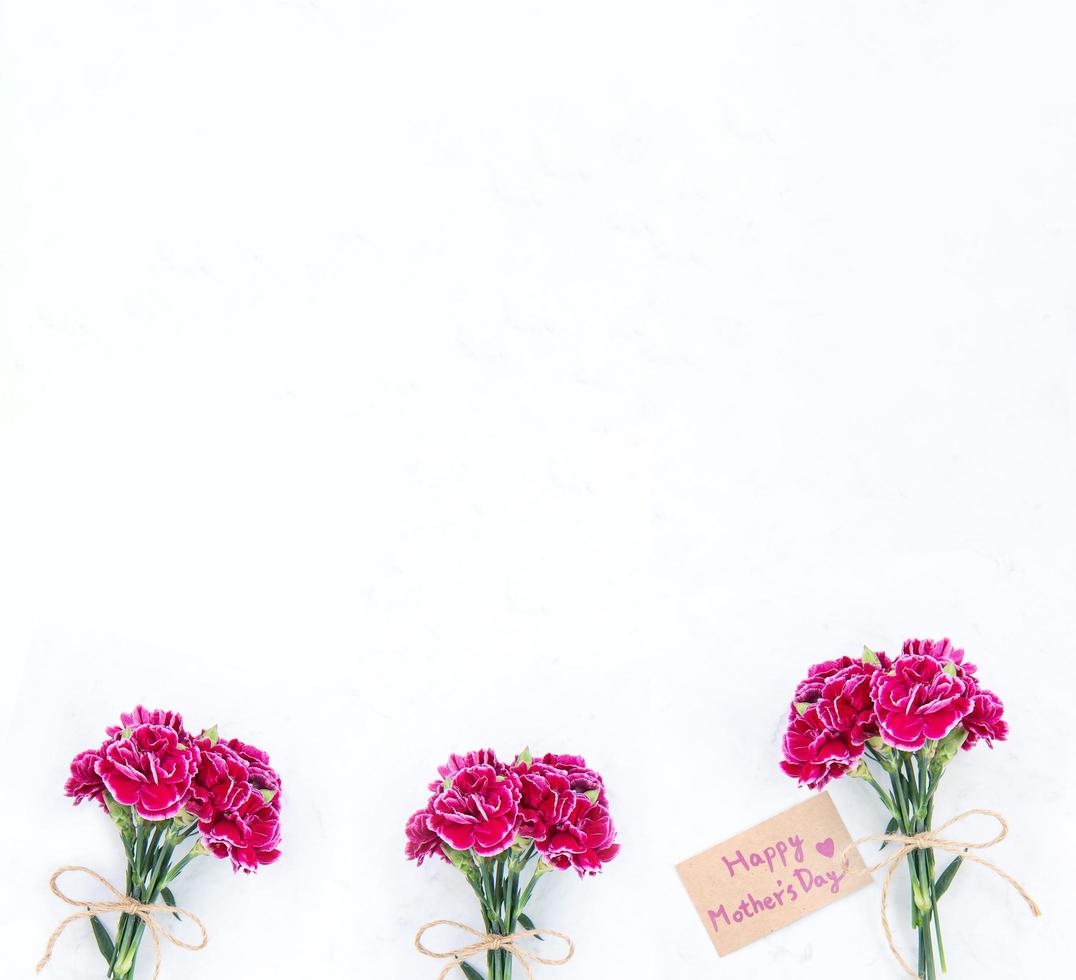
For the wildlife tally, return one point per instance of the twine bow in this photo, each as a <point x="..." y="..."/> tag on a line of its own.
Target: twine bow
<point x="123" y="904"/>
<point x="486" y="941"/>
<point x="927" y="840"/>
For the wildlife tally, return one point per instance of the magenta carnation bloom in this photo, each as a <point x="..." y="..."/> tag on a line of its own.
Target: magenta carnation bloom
<point x="585" y="839"/>
<point x="845" y="706"/>
<point x="151" y="770"/>
<point x="809" y="689"/>
<point x="143" y="716"/>
<point x="260" y="774"/>
<point x="249" y="836"/>
<point x="422" y="842"/>
<point x="236" y="798"/>
<point x="85" y="783"/>
<point x="581" y="777"/>
<point x="941" y="650"/>
<point x="984" y="723"/>
<point x="920" y="700"/>
<point x="814" y="755"/>
<point x="221" y="784"/>
<point x="546" y="799"/>
<point x="479" y="810"/>
<point x="480" y="757"/>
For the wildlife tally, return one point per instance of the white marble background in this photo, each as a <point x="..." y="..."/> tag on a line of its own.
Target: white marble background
<point x="384" y="379"/>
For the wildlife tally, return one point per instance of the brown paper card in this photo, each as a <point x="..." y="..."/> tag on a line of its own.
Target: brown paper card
<point x="772" y="875"/>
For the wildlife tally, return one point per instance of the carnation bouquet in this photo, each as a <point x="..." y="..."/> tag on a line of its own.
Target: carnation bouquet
<point x="897" y="723"/>
<point x="504" y="826"/>
<point x="173" y="796"/>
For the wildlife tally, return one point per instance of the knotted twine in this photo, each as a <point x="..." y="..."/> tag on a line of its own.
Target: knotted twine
<point x="930" y="840"/>
<point x="486" y="941"/>
<point x="123" y="904"/>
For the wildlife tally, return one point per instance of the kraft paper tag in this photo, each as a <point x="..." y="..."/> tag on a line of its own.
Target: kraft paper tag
<point x="772" y="875"/>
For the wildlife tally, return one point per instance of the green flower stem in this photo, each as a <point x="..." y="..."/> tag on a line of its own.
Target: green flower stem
<point x="135" y="859"/>
<point x="905" y="829"/>
<point x="913" y="791"/>
<point x="511" y="911"/>
<point x="927" y="788"/>
<point x="502" y="891"/>
<point x="496" y="883"/>
<point x="933" y="881"/>
<point x="149" y="871"/>
<point x="496" y="973"/>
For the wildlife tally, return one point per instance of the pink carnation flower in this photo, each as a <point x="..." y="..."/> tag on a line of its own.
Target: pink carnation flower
<point x="422" y="842"/>
<point x="151" y="770"/>
<point x="546" y="799"/>
<point x="481" y="757"/>
<point x="249" y="836"/>
<point x="941" y="650"/>
<point x="809" y="689"/>
<point x="845" y="706"/>
<point x="143" y="716"/>
<point x="814" y="754"/>
<point x="220" y="785"/>
<point x="260" y="774"/>
<point x="479" y="810"/>
<point x="85" y="783"/>
<point x="984" y="723"/>
<point x="585" y="839"/>
<point x="581" y="777"/>
<point x="919" y="700"/>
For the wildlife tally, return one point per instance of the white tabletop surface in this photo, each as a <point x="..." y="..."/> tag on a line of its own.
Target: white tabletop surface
<point x="380" y="380"/>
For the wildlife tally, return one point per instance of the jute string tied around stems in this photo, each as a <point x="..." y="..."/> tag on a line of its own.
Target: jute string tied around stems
<point x="925" y="841"/>
<point x="486" y="941"/>
<point x="123" y="904"/>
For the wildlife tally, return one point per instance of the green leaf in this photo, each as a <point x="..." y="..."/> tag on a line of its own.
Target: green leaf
<point x="525" y="921"/>
<point x="268" y="795"/>
<point x="870" y="657"/>
<point x="470" y="972"/>
<point x="126" y="733"/>
<point x="592" y="795"/>
<point x="890" y="828"/>
<point x="801" y="706"/>
<point x="950" y="669"/>
<point x="169" y="899"/>
<point x="945" y="879"/>
<point x="525" y="756"/>
<point x="212" y="735"/>
<point x="104" y="940"/>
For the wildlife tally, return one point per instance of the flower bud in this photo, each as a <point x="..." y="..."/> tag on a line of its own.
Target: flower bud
<point x="920" y="896"/>
<point x="860" y="772"/>
<point x="947" y="749"/>
<point x="120" y="814"/>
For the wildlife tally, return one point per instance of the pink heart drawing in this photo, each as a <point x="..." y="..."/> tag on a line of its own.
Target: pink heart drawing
<point x="825" y="848"/>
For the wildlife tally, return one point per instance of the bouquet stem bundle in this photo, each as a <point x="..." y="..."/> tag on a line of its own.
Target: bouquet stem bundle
<point x="913" y="781"/>
<point x="498" y="883"/>
<point x="151" y="868"/>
